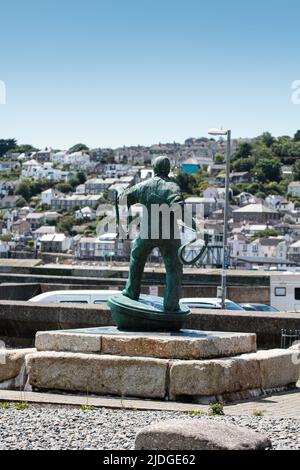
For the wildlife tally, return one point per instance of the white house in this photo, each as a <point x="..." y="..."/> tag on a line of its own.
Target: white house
<point x="279" y="203"/>
<point x="4" y="249"/>
<point x="43" y="230"/>
<point x="85" y="213"/>
<point x="59" y="157"/>
<point x="106" y="245"/>
<point x="294" y="188"/>
<point x="78" y="160"/>
<point x="34" y="170"/>
<point x="55" y="243"/>
<point x="269" y="247"/>
<point x="48" y="195"/>
<point x="201" y="206"/>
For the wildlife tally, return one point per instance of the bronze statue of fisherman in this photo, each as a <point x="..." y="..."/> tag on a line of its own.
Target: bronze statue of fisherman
<point x="162" y="204"/>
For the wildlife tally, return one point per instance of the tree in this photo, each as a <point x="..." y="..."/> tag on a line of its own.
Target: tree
<point x="187" y="183"/>
<point x="243" y="164"/>
<point x="244" y="150"/>
<point x="297" y="136"/>
<point x="262" y="152"/>
<point x="267" y="139"/>
<point x="6" y="237"/>
<point x="219" y="158"/>
<point x="275" y="188"/>
<point x="296" y="170"/>
<point x="25" y="148"/>
<point x="64" y="187"/>
<point x="29" y="188"/>
<point x="65" y="224"/>
<point x="74" y="181"/>
<point x="267" y="170"/>
<point x="81" y="176"/>
<point x="21" y="202"/>
<point x="78" y="148"/>
<point x="24" y="189"/>
<point x="6" y="145"/>
<point x="268" y="232"/>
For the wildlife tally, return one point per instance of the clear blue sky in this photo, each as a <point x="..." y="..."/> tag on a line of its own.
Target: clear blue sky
<point x="121" y="72"/>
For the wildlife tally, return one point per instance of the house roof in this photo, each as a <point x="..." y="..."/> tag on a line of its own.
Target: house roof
<point x="264" y="260"/>
<point x="255" y="208"/>
<point x="35" y="215"/>
<point x="257" y="228"/>
<point x="200" y="200"/>
<point x="191" y="161"/>
<point x="46" y="229"/>
<point x="31" y="163"/>
<point x="237" y="173"/>
<point x="57" y="237"/>
<point x="269" y="241"/>
<point x="88" y="240"/>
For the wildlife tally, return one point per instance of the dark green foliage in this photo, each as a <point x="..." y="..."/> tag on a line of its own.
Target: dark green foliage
<point x="269" y="232"/>
<point x="6" y="145"/>
<point x="78" y="148"/>
<point x="267" y="169"/>
<point x="30" y="188"/>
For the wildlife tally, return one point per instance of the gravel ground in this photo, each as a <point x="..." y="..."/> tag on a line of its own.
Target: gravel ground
<point x="106" y="429"/>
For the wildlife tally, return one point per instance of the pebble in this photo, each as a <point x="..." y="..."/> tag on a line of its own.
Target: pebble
<point x="40" y="428"/>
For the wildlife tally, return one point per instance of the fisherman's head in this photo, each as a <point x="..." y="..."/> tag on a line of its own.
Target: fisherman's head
<point x="161" y="166"/>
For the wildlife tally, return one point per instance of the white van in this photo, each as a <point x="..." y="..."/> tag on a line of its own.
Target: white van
<point x="285" y="291"/>
<point x="75" y="297"/>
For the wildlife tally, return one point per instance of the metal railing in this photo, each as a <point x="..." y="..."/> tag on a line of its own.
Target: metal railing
<point x="288" y="337"/>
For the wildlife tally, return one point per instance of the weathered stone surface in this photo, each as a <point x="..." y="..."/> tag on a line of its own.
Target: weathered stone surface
<point x="92" y="373"/>
<point x="211" y="344"/>
<point x="214" y="377"/>
<point x="11" y="362"/>
<point x="186" y="344"/>
<point x="67" y="341"/>
<point x="199" y="435"/>
<point x="279" y="367"/>
<point x="264" y="369"/>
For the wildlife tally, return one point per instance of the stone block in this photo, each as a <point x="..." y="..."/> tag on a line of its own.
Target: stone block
<point x="186" y="344"/>
<point x="92" y="373"/>
<point x="11" y="362"/>
<point x="214" y="377"/>
<point x="199" y="434"/>
<point x="279" y="367"/>
<point x="204" y="345"/>
<point x="67" y="341"/>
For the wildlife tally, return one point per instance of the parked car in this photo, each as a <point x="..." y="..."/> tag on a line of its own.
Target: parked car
<point x="211" y="303"/>
<point x="74" y="296"/>
<point x="259" y="308"/>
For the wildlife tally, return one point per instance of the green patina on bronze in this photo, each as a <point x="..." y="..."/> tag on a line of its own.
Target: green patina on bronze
<point x="157" y="191"/>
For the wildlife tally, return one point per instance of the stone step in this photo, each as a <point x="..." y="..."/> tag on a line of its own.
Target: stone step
<point x="172" y="379"/>
<point x="186" y="344"/>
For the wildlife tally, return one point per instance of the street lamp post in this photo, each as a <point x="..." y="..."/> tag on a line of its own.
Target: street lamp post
<point x="226" y="210"/>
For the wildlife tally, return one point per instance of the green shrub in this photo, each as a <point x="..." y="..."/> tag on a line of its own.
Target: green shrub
<point x="22" y="405"/>
<point x="216" y="409"/>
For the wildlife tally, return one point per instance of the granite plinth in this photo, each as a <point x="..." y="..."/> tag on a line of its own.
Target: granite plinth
<point x="185" y="344"/>
<point x="190" y="365"/>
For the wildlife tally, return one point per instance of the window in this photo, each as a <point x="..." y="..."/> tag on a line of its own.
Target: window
<point x="297" y="293"/>
<point x="101" y="302"/>
<point x="73" y="302"/>
<point x="280" y="291"/>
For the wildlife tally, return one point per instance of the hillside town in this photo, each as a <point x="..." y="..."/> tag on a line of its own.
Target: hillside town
<point x="50" y="199"/>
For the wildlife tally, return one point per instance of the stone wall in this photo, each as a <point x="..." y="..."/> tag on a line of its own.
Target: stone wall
<point x="21" y="320"/>
<point x="26" y="290"/>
